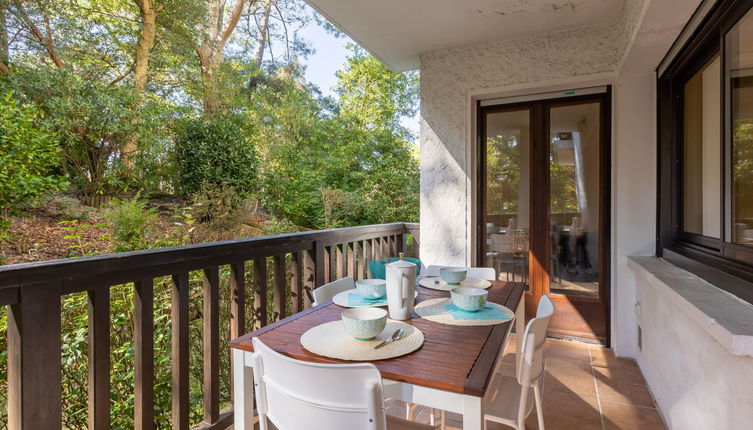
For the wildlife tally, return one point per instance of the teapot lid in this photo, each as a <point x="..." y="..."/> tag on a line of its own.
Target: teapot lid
<point x="401" y="263"/>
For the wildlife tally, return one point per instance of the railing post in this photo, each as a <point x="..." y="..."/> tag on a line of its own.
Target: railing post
<point x="99" y="359"/>
<point x="309" y="276"/>
<point x="416" y="244"/>
<point x="319" y="264"/>
<point x="260" y="291"/>
<point x="179" y="334"/>
<point x="279" y="287"/>
<point x="34" y="350"/>
<point x="237" y="300"/>
<point x="211" y="384"/>
<point x="143" y="346"/>
<point x="237" y="310"/>
<point x="296" y="284"/>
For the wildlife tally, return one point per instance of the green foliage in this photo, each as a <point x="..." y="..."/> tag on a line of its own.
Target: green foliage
<point x="216" y="152"/>
<point x="93" y="123"/>
<point x="374" y="95"/>
<point x="71" y="208"/>
<point x="82" y="244"/>
<point x="28" y="156"/>
<point x="132" y="223"/>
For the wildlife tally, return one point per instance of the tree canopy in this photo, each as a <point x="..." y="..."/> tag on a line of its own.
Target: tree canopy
<point x="124" y="85"/>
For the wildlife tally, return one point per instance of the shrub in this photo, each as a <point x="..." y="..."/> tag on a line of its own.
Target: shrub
<point x="71" y="208"/>
<point x="28" y="157"/>
<point x="215" y="152"/>
<point x="132" y="222"/>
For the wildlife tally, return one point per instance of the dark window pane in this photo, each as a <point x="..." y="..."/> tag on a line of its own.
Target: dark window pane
<point x="739" y="75"/>
<point x="702" y="152"/>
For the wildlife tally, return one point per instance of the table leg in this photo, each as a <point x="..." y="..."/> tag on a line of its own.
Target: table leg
<point x="520" y="328"/>
<point x="473" y="416"/>
<point x="243" y="392"/>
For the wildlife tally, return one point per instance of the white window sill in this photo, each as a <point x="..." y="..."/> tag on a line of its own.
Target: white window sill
<point x="726" y="318"/>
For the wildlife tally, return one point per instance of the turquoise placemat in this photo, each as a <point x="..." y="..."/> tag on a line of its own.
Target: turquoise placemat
<point x="488" y="312"/>
<point x="355" y="299"/>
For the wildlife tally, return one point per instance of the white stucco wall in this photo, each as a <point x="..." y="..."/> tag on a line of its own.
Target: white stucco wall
<point x="452" y="79"/>
<point x="697" y="364"/>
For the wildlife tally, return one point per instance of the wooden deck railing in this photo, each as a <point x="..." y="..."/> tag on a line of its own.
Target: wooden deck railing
<point x="299" y="261"/>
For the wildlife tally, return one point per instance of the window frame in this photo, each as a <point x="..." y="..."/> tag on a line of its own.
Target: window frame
<point x="718" y="260"/>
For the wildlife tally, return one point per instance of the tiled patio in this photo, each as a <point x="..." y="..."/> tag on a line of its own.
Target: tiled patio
<point x="586" y="387"/>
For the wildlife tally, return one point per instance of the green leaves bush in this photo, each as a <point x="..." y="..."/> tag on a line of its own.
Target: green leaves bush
<point x="216" y="152"/>
<point x="132" y="222"/>
<point x="29" y="157"/>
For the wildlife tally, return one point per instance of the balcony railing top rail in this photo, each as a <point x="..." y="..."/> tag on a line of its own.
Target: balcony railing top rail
<point x="297" y="262"/>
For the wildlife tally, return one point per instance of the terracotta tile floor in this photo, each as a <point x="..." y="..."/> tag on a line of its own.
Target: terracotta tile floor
<point x="585" y="387"/>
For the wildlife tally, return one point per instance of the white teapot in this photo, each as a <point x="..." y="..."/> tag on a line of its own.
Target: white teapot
<point x="401" y="289"/>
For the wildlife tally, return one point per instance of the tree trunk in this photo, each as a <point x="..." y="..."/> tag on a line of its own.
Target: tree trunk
<point x="212" y="49"/>
<point x="144" y="45"/>
<point x="261" y="44"/>
<point x="141" y="65"/>
<point x="4" y="56"/>
<point x="44" y="38"/>
<point x="261" y="40"/>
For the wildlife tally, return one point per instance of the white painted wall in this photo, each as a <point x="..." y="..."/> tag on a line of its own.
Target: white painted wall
<point x="633" y="197"/>
<point x="698" y="382"/>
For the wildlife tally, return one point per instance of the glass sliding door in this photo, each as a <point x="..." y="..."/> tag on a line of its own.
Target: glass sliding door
<point x="543" y="205"/>
<point x="574" y="199"/>
<point x="507" y="146"/>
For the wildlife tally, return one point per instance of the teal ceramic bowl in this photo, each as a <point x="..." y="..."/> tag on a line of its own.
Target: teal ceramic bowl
<point x="469" y="299"/>
<point x="364" y="323"/>
<point x="372" y="289"/>
<point x="378" y="268"/>
<point x="453" y="275"/>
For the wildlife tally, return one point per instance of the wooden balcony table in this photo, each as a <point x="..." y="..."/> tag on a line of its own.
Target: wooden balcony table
<point x="451" y="370"/>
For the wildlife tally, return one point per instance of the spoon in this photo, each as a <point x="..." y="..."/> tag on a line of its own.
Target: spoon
<point x="395" y="336"/>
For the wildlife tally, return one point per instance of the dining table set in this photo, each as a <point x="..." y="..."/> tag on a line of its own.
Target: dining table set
<point x="436" y="338"/>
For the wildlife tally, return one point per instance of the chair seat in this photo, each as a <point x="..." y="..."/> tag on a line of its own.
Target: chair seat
<point x="502" y="400"/>
<point x="397" y="423"/>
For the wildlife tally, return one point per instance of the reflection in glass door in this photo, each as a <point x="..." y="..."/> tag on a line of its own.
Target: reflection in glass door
<point x="507" y="145"/>
<point x="574" y="190"/>
<point x="543" y="204"/>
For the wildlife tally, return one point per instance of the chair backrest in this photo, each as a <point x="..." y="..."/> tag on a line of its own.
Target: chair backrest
<point x="487" y="273"/>
<point x="503" y="242"/>
<point x="534" y="339"/>
<point x="296" y="394"/>
<point x="327" y="291"/>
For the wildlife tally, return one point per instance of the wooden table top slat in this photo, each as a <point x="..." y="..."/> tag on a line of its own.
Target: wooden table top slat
<point x="453" y="358"/>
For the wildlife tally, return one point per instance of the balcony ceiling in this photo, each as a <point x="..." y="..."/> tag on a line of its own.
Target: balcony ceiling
<point x="399" y="31"/>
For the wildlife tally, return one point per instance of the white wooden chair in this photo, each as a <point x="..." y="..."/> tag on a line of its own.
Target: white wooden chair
<point x="487" y="273"/>
<point x="327" y="291"/>
<point x="510" y="400"/>
<point x="294" y="395"/>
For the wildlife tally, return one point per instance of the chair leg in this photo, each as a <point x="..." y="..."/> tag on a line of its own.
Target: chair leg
<point x="539" y="406"/>
<point x="410" y="411"/>
<point x="443" y="419"/>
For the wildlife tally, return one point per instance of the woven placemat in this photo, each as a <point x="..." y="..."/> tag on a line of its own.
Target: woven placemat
<point x="434" y="310"/>
<point x="436" y="283"/>
<point x="331" y="340"/>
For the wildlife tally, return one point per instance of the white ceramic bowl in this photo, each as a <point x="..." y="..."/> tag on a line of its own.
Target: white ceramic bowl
<point x="469" y="299"/>
<point x="364" y="323"/>
<point x="372" y="288"/>
<point x="453" y="275"/>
